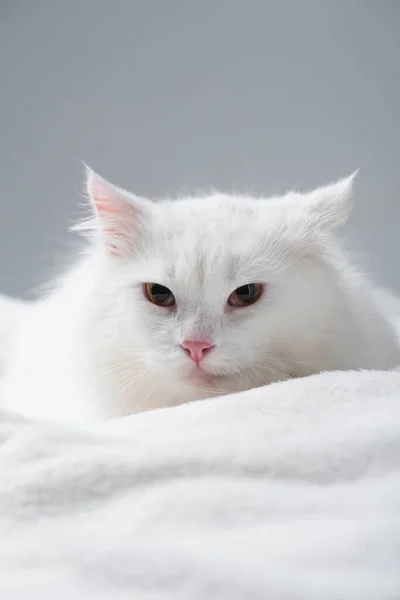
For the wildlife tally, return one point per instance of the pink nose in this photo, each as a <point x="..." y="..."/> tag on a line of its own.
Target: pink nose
<point x="197" y="350"/>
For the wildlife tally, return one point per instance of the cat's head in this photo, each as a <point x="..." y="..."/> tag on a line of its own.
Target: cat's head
<point x="217" y="291"/>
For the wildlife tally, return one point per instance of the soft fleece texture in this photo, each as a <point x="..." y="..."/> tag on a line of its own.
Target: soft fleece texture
<point x="291" y="491"/>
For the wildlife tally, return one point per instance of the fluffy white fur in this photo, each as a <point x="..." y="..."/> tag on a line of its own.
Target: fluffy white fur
<point x="95" y="348"/>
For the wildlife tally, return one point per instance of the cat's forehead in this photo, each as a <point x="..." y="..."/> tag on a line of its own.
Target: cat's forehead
<point x="209" y="238"/>
<point x="213" y="215"/>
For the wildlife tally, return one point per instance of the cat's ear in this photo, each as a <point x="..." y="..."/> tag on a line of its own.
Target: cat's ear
<point x="328" y="206"/>
<point x="120" y="217"/>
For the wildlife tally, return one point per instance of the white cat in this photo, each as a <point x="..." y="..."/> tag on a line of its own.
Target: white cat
<point x="184" y="299"/>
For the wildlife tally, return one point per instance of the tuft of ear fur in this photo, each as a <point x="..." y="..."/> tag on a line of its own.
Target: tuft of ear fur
<point x="328" y="206"/>
<point x="120" y="216"/>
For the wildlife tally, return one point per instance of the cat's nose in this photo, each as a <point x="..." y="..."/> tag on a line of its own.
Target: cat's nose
<point x="197" y="350"/>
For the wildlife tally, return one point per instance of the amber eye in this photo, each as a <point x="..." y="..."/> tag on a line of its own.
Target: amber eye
<point x="245" y="295"/>
<point x="159" y="294"/>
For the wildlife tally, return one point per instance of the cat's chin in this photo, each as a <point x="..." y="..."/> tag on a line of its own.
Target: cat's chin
<point x="200" y="378"/>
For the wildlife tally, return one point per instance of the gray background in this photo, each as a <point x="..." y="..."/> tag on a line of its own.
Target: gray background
<point x="161" y="96"/>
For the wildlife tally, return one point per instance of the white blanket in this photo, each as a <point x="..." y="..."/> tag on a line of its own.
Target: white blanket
<point x="291" y="491"/>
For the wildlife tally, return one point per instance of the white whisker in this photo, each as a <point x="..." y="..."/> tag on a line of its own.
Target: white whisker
<point x="152" y="390"/>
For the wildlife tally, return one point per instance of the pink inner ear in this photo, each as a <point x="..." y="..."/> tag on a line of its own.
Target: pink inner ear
<point x="112" y="212"/>
<point x="104" y="198"/>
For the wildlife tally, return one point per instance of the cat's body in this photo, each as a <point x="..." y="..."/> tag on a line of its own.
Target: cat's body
<point x="96" y="347"/>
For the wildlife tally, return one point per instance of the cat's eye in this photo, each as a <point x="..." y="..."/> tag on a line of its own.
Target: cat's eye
<point x="246" y="294"/>
<point x="158" y="294"/>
